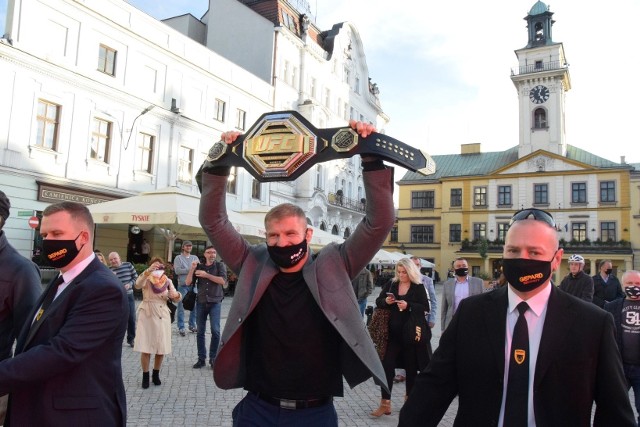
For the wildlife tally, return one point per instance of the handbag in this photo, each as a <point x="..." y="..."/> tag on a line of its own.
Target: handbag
<point x="189" y="300"/>
<point x="172" y="310"/>
<point x="379" y="330"/>
<point x="415" y="328"/>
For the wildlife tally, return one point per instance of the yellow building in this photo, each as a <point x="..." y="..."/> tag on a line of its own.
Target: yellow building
<point x="463" y="210"/>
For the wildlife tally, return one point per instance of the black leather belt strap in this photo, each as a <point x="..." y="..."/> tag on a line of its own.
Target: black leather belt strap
<point x="282" y="145"/>
<point x="293" y="404"/>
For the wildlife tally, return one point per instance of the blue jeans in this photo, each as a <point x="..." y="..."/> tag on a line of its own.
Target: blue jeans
<point x="251" y="411"/>
<point x="131" y="326"/>
<point x="192" y="316"/>
<point x="211" y="309"/>
<point x="632" y="372"/>
<point x="362" y="303"/>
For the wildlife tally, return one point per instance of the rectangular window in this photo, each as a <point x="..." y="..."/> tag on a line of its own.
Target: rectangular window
<point x="356" y="85"/>
<point x="48" y="122"/>
<point x="504" y="195"/>
<point x="232" y="180"/>
<point x="100" y="140"/>
<point x="241" y="117"/>
<point x="107" y="60"/>
<point x="313" y="89"/>
<point x="256" y="188"/>
<point x="422" y="234"/>
<point x="346" y="75"/>
<point x="185" y="164"/>
<point x="327" y="98"/>
<point x="479" y="230"/>
<point x="608" y="231"/>
<point x="579" y="192"/>
<point x="502" y="230"/>
<point x="456" y="197"/>
<point x="540" y="194"/>
<point x="455" y="232"/>
<point x="480" y="196"/>
<point x="607" y="191"/>
<point x="422" y="199"/>
<point x="220" y="106"/>
<point x="145" y="152"/>
<point x="394" y="234"/>
<point x="578" y="231"/>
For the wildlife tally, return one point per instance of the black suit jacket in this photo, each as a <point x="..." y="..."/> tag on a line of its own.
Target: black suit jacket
<point x="67" y="368"/>
<point x="578" y="363"/>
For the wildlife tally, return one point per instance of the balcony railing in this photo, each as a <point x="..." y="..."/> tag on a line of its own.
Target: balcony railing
<point x="538" y="68"/>
<point x="337" y="199"/>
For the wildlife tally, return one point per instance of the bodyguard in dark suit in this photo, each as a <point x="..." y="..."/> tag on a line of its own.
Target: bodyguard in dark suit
<point x="67" y="365"/>
<point x="571" y="355"/>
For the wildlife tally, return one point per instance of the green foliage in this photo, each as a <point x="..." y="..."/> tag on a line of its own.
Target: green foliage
<point x="483" y="247"/>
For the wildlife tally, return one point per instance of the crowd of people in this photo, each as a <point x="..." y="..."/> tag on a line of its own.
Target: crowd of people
<point x="525" y="353"/>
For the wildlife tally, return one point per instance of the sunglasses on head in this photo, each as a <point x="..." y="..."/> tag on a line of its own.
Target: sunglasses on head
<point x="533" y="213"/>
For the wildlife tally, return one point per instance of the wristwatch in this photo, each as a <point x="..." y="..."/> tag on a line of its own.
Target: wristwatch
<point x="282" y="145"/>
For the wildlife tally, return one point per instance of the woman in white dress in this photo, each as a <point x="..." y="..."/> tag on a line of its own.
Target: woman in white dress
<point x="153" y="327"/>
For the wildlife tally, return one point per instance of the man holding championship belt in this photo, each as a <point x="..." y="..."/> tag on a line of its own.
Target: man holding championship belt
<point x="294" y="328"/>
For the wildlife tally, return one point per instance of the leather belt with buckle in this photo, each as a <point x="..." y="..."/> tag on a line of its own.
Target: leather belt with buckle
<point x="293" y="404"/>
<point x="282" y="145"/>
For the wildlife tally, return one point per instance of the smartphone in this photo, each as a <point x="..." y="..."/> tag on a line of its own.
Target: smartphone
<point x="390" y="294"/>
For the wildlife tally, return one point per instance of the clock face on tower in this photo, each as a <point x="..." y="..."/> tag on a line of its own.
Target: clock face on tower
<point x="539" y="94"/>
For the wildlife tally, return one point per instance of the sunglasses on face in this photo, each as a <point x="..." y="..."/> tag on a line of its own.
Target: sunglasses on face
<point x="533" y="213"/>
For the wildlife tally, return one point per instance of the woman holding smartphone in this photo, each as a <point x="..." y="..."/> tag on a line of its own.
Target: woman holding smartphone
<point x="405" y="296"/>
<point x="153" y="331"/>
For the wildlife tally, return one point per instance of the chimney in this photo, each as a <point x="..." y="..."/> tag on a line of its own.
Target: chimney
<point x="623" y="160"/>
<point x="470" y="148"/>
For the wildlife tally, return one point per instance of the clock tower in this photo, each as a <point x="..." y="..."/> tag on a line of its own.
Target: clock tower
<point x="541" y="79"/>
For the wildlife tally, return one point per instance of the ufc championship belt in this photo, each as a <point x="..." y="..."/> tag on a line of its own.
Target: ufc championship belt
<point x="282" y="145"/>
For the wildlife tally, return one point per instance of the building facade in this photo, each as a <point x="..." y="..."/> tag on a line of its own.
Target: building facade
<point x="463" y="210"/>
<point x="104" y="102"/>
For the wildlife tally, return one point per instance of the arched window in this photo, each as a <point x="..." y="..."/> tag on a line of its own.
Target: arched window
<point x="335" y="231"/>
<point x="323" y="226"/>
<point x="347" y="232"/>
<point x="540" y="119"/>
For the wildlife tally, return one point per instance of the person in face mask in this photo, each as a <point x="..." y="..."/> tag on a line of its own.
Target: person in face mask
<point x="67" y="364"/>
<point x="577" y="282"/>
<point x="563" y="345"/>
<point x="626" y="316"/>
<point x="606" y="286"/>
<point x="296" y="328"/>
<point x="457" y="288"/>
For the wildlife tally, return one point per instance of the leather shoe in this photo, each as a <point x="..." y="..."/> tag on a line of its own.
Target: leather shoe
<point x="211" y="363"/>
<point x="398" y="379"/>
<point x="182" y="333"/>
<point x="199" y="364"/>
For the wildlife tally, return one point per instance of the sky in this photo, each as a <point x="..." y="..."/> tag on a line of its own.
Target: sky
<point x="443" y="69"/>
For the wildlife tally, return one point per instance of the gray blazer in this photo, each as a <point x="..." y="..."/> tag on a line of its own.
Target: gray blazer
<point x="328" y="275"/>
<point x="448" y="295"/>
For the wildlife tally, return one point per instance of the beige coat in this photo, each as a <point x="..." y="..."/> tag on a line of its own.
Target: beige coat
<point x="153" y="327"/>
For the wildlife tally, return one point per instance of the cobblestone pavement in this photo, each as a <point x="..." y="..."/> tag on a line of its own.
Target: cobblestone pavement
<point x="189" y="397"/>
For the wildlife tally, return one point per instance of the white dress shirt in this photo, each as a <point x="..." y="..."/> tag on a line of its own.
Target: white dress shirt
<point x="535" y="321"/>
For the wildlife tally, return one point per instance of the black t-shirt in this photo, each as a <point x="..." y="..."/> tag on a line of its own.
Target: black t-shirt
<point x="631" y="332"/>
<point x="292" y="349"/>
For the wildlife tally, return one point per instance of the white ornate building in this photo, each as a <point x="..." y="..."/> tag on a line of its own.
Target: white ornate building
<point x="101" y="101"/>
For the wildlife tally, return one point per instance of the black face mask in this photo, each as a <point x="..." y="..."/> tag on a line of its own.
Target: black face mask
<point x="288" y="256"/>
<point x="60" y="253"/>
<point x="633" y="292"/>
<point x="461" y="272"/>
<point x="608" y="271"/>
<point x="526" y="275"/>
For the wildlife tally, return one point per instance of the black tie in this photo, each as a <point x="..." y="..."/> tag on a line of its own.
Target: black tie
<point x="48" y="299"/>
<point x="517" y="404"/>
